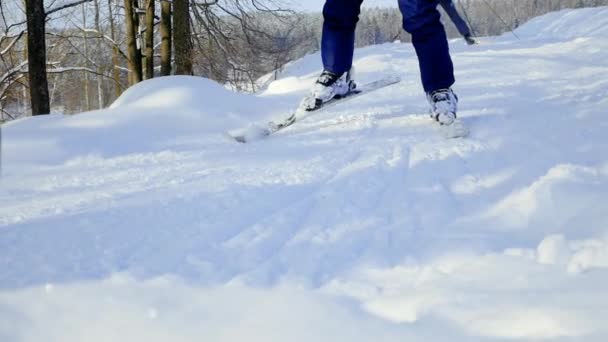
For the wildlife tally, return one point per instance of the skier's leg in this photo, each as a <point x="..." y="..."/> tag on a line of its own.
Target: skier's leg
<point x="338" y="38"/>
<point x="421" y="20"/>
<point x="337" y="47"/>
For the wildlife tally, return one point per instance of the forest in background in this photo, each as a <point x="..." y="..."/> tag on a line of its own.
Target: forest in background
<point x="95" y="49"/>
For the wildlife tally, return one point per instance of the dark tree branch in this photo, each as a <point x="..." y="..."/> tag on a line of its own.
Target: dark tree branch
<point x="60" y="8"/>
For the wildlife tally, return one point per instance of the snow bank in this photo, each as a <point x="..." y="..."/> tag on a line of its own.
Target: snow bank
<point x="567" y="24"/>
<point x="515" y="294"/>
<point x="543" y="293"/>
<point x="154" y="115"/>
<point x="360" y="223"/>
<point x="166" y="309"/>
<point x="183" y="91"/>
<point x="555" y="200"/>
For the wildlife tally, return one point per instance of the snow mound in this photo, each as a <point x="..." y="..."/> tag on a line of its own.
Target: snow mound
<point x="181" y="91"/>
<point x="568" y="24"/>
<point x="153" y="115"/>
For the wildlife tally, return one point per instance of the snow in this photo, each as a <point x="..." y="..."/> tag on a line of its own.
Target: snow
<point x="145" y="222"/>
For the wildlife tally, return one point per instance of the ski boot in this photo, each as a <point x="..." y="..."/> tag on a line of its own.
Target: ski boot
<point x="444" y="104"/>
<point x="328" y="86"/>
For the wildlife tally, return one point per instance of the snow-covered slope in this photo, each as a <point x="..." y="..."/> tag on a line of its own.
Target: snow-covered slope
<point x="144" y="222"/>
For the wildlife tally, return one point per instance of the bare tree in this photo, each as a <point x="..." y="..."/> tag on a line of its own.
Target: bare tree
<point x="182" y="37"/>
<point x="36" y="47"/>
<point x="149" y="40"/>
<point x="13" y="64"/>
<point x="100" y="70"/>
<point x="115" y="50"/>
<point x="87" y="99"/>
<point x="165" y="36"/>
<point x="238" y="40"/>
<point x="133" y="50"/>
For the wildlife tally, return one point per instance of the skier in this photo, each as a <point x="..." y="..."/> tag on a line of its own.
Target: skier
<point x="421" y="20"/>
<point x="461" y="25"/>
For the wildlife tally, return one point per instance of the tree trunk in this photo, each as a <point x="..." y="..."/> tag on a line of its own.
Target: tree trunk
<point x="165" y="36"/>
<point x="25" y="86"/>
<point x="149" y="50"/>
<point x="132" y="24"/>
<point x="87" y="98"/>
<point x="115" y="71"/>
<point x="182" y="37"/>
<point x="100" y="70"/>
<point x="36" y="56"/>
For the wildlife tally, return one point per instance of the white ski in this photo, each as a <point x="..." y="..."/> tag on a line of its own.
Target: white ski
<point x="456" y="129"/>
<point x="258" y="131"/>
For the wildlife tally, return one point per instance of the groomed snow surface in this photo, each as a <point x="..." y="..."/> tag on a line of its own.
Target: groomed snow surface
<point x="144" y="222"/>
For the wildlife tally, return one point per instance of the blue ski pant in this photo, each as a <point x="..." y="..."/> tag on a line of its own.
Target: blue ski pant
<point x="420" y="19"/>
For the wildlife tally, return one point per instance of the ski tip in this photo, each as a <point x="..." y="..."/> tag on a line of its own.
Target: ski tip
<point x="456" y="130"/>
<point x="250" y="133"/>
<point x="240" y="138"/>
<point x="394" y="79"/>
<point x="235" y="137"/>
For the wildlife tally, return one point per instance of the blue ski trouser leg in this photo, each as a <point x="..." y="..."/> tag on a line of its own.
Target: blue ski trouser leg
<point x="338" y="39"/>
<point x="421" y="20"/>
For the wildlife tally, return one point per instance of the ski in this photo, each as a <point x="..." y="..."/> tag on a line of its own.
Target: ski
<point x="255" y="131"/>
<point x="455" y="130"/>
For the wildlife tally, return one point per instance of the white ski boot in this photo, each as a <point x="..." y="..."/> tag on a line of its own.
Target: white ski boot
<point x="444" y="105"/>
<point x="328" y="86"/>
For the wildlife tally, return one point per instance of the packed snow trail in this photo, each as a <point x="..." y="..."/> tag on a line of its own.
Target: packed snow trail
<point x="143" y="220"/>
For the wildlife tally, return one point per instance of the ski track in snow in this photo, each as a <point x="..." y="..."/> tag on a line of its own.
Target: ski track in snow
<point x="360" y="216"/>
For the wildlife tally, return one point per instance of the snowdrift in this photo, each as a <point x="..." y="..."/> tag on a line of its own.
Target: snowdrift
<point x="568" y="24"/>
<point x="143" y="222"/>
